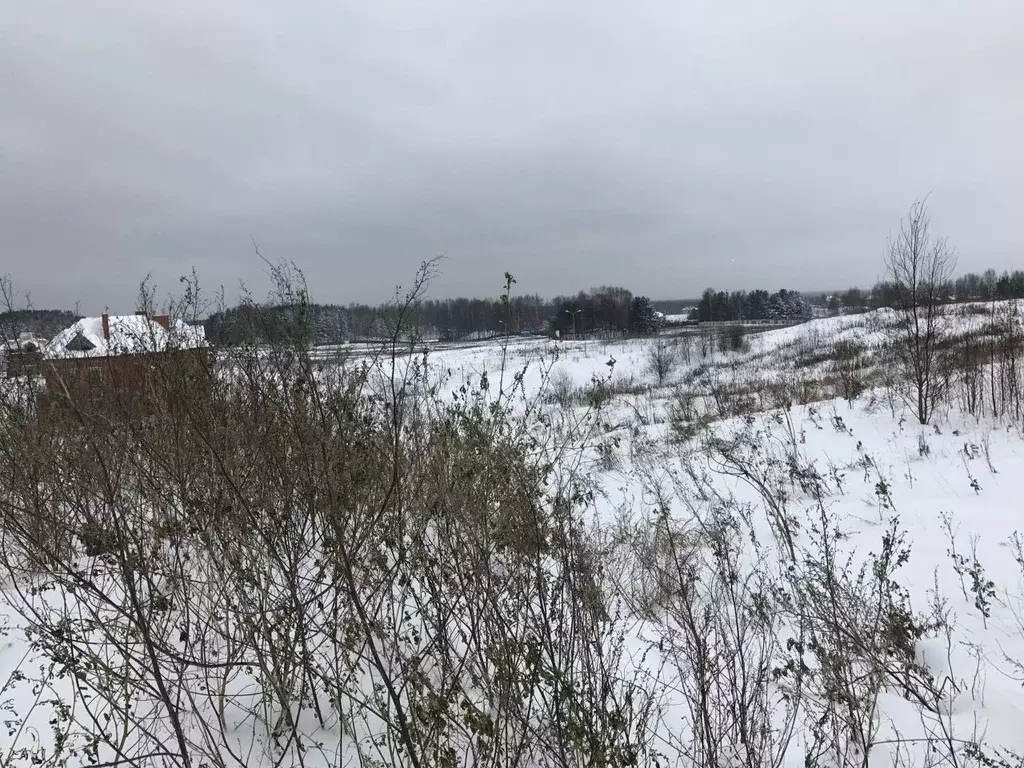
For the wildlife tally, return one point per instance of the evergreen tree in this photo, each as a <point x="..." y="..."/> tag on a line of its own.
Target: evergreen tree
<point x="643" y="319"/>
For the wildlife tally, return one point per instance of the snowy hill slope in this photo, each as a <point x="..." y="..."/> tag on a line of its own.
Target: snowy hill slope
<point x="795" y="571"/>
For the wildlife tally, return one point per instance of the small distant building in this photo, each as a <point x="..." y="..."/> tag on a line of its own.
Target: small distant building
<point x="685" y="316"/>
<point x="22" y="356"/>
<point x="117" y="354"/>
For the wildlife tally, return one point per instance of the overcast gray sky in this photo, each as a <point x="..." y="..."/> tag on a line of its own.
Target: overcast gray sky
<point x="664" y="145"/>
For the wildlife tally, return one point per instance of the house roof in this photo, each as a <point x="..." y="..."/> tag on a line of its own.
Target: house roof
<point x="129" y="335"/>
<point x="26" y="342"/>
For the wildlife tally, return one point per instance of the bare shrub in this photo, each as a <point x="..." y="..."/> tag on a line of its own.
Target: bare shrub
<point x="919" y="267"/>
<point x="646" y="409"/>
<point x="280" y="557"/>
<point x="706" y="338"/>
<point x="685" y="346"/>
<point x="729" y="398"/>
<point x="685" y="415"/>
<point x="562" y="390"/>
<point x="602" y="390"/>
<point x="733" y="339"/>
<point x="723" y="637"/>
<point x="863" y="636"/>
<point x="662" y="359"/>
<point x="852" y="627"/>
<point x="849" y="369"/>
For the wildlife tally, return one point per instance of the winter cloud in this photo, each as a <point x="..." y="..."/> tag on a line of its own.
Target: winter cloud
<point x="658" y="144"/>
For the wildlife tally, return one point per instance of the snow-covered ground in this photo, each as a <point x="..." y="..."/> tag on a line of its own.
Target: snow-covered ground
<point x="952" y="490"/>
<point x="954" y="487"/>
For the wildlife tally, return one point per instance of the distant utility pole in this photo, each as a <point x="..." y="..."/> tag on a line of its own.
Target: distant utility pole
<point x="572" y="314"/>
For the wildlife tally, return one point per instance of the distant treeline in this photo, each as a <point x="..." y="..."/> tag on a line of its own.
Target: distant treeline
<point x="39" y="322"/>
<point x="333" y="323"/>
<point x="783" y="305"/>
<point x="970" y="286"/>
<point x="605" y="310"/>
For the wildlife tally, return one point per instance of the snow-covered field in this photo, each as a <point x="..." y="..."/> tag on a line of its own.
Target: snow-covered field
<point x="927" y="516"/>
<point x="954" y="488"/>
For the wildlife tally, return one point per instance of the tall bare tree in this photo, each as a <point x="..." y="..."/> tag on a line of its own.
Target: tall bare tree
<point x="920" y="267"/>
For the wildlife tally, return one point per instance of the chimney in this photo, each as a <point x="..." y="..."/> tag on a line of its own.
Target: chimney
<point x="164" y="320"/>
<point x="106" y="326"/>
